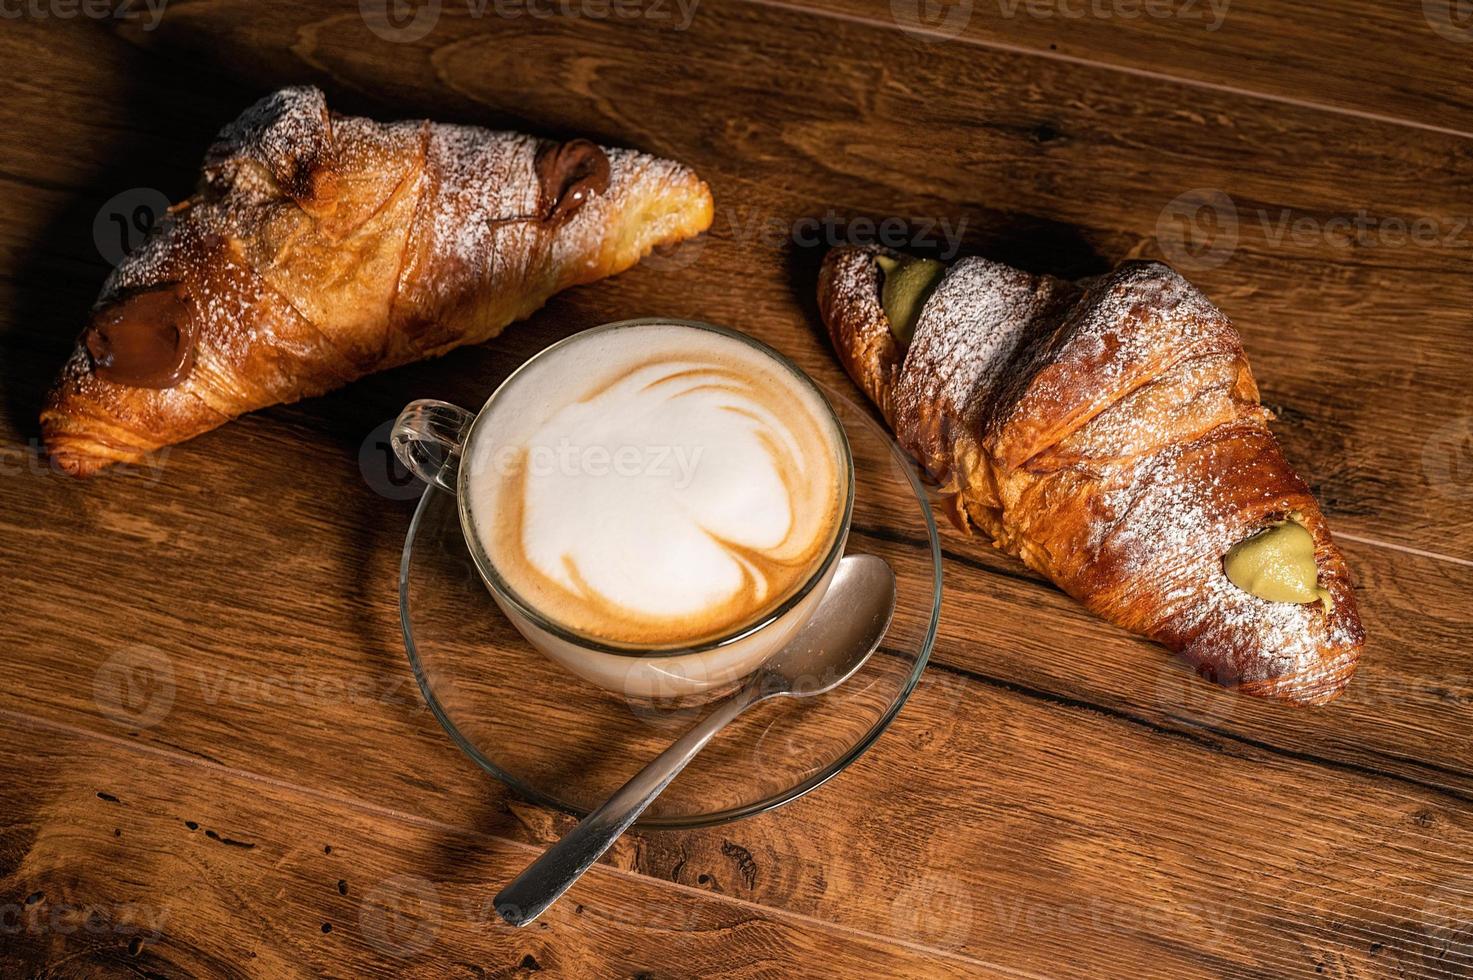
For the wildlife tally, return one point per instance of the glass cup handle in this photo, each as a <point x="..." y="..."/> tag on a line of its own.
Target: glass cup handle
<point x="428" y="437"/>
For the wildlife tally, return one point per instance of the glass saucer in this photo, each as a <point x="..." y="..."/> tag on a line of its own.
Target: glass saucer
<point x="559" y="741"/>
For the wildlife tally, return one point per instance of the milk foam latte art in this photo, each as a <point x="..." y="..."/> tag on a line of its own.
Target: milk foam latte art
<point x="657" y="485"/>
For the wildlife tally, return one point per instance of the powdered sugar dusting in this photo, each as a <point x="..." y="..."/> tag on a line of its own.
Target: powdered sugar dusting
<point x="982" y="317"/>
<point x="1109" y="433"/>
<point x="287" y="135"/>
<point x="968" y="334"/>
<point x="358" y="243"/>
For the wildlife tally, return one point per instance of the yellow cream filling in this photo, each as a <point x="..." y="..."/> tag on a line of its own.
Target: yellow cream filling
<point x="909" y="282"/>
<point x="1277" y="564"/>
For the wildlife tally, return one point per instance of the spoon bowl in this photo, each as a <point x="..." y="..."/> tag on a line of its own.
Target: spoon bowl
<point x="836" y="642"/>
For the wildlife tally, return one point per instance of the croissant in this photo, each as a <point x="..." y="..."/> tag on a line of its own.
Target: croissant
<point x="319" y="248"/>
<point x="1108" y="432"/>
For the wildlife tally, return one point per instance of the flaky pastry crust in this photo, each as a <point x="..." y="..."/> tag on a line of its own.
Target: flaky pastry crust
<point x="320" y="248"/>
<point x="1109" y="433"/>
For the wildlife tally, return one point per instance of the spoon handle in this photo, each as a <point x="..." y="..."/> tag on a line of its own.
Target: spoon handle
<point x="564" y="862"/>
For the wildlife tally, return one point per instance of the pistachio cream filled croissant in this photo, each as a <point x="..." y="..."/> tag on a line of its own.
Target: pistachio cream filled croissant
<point x="320" y="248"/>
<point x="1107" y="432"/>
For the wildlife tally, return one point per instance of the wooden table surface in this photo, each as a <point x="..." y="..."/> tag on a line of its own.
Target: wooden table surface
<point x="216" y="762"/>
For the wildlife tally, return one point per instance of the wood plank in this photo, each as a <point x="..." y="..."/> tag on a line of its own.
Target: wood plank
<point x="1090" y="798"/>
<point x="1413" y="691"/>
<point x="115" y="861"/>
<point x="1024" y="812"/>
<point x="1070" y="173"/>
<point x="1047" y="838"/>
<point x="1350" y="56"/>
<point x="1412" y="674"/>
<point x="1406" y="713"/>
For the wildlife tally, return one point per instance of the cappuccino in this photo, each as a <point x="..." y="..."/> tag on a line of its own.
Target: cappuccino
<point x="657" y="485"/>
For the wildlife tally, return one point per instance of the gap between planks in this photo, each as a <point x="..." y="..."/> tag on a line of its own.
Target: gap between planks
<point x="1434" y="555"/>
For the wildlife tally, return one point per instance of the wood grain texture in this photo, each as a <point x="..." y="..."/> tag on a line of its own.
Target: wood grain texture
<point x="1058" y="799"/>
<point x="121" y="862"/>
<point x="1051" y="165"/>
<point x="1353" y="56"/>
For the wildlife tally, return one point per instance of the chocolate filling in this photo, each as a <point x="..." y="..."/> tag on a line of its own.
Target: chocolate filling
<point x="570" y="173"/>
<point x="145" y="340"/>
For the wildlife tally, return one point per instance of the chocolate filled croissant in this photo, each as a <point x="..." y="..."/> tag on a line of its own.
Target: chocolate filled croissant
<point x="320" y="248"/>
<point x="1109" y="433"/>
